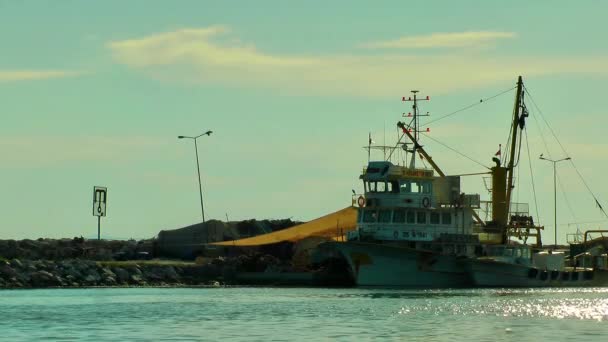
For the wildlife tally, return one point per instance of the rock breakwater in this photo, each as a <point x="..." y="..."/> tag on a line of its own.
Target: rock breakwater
<point x="18" y="273"/>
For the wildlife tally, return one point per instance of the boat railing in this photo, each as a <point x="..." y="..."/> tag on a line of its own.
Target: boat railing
<point x="515" y="209"/>
<point x="588" y="232"/>
<point x="574" y="238"/>
<point x="524" y="232"/>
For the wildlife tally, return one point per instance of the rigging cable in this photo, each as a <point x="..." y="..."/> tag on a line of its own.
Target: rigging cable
<point x="468" y="107"/>
<point x="542" y="136"/>
<point x="584" y="222"/>
<point x="503" y="157"/>
<point x="517" y="186"/>
<point x="453" y="150"/>
<point x="566" y="153"/>
<point x="450" y="114"/>
<point x="561" y="187"/>
<point x="532" y="176"/>
<point x="396" y="145"/>
<point x="548" y="151"/>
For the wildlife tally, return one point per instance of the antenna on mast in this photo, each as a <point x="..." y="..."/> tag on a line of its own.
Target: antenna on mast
<point x="414" y="124"/>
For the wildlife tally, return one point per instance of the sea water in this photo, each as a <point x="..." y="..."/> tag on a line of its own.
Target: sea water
<point x="300" y="314"/>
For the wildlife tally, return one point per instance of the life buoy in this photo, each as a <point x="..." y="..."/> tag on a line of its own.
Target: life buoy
<point x="361" y="201"/>
<point x="426" y="202"/>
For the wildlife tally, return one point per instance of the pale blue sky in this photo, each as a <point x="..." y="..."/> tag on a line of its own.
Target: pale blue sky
<point x="95" y="93"/>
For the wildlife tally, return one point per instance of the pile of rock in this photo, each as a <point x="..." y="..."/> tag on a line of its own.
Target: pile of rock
<point x="77" y="273"/>
<point x="61" y="249"/>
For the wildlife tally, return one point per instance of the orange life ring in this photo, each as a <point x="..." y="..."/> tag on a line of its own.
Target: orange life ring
<point x="426" y="202"/>
<point x="361" y="201"/>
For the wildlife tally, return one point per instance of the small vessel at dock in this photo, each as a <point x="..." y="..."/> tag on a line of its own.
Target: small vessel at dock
<point x="522" y="266"/>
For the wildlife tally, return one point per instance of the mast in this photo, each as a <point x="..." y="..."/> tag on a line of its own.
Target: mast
<point x="420" y="149"/>
<point x="516" y="124"/>
<point x="407" y="130"/>
<point x="415" y="112"/>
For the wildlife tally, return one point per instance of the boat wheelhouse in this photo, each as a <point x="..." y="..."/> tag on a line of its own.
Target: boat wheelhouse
<point x="402" y="204"/>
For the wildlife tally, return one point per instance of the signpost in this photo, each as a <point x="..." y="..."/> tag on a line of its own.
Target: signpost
<point x="100" y="197"/>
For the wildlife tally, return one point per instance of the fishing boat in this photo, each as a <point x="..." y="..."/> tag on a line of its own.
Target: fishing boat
<point x="416" y="227"/>
<point x="582" y="265"/>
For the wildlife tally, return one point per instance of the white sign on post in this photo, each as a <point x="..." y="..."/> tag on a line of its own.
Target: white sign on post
<point x="100" y="196"/>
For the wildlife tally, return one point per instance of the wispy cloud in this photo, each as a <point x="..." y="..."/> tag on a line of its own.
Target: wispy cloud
<point x="195" y="45"/>
<point x="441" y="40"/>
<point x="28" y="75"/>
<point x="200" y="55"/>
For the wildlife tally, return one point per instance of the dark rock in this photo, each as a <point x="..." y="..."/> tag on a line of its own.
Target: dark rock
<point x="43" y="279"/>
<point x="108" y="277"/>
<point x="8" y="249"/>
<point x="137" y="279"/>
<point x="13" y="282"/>
<point x="23" y="277"/>
<point x="170" y="273"/>
<point x="91" y="279"/>
<point x="16" y="263"/>
<point x="158" y="273"/>
<point x="122" y="275"/>
<point x="7" y="271"/>
<point x="71" y="271"/>
<point x="67" y="252"/>
<point x="109" y="281"/>
<point x="153" y="273"/>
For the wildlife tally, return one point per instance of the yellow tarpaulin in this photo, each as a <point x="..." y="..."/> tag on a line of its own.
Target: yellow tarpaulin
<point x="330" y="226"/>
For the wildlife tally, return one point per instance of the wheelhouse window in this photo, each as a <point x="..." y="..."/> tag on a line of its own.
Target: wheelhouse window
<point x="421" y="217"/>
<point x="404" y="187"/>
<point x="382" y="186"/>
<point x="399" y="216"/>
<point x="434" y="218"/>
<point x="384" y="216"/>
<point x="425" y="187"/>
<point x="446" y="218"/>
<point x="370" y="216"/>
<point x="411" y="217"/>
<point x="414" y="187"/>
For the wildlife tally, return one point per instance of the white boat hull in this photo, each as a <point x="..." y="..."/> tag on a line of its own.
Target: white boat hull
<point x="394" y="266"/>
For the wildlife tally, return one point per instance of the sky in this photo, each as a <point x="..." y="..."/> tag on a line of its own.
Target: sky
<point x="96" y="93"/>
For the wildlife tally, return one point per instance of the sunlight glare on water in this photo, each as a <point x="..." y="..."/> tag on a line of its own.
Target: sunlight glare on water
<point x="252" y="314"/>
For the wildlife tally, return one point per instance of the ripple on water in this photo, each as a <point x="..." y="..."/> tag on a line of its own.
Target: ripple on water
<point x="303" y="314"/>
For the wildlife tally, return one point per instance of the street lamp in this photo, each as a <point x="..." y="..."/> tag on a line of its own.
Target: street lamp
<point x="554" y="190"/>
<point x="198" y="169"/>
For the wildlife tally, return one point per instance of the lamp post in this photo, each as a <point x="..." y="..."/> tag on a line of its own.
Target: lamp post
<point x="554" y="190"/>
<point x="198" y="169"/>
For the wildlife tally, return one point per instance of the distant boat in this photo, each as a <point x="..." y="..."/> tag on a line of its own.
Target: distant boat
<point x="519" y="266"/>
